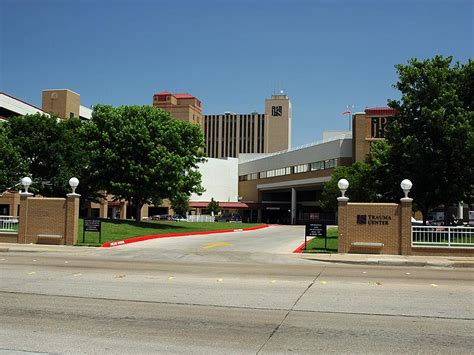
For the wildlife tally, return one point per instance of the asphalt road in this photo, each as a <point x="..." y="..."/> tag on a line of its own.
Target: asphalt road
<point x="135" y="300"/>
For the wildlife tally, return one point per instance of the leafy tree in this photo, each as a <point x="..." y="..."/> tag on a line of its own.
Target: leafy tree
<point x="213" y="206"/>
<point x="180" y="203"/>
<point x="12" y="166"/>
<point x="51" y="149"/>
<point x="431" y="137"/>
<point x="142" y="155"/>
<point x="361" y="187"/>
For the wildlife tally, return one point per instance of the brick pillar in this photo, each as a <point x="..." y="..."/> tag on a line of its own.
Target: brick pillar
<point x="72" y="219"/>
<point x="123" y="210"/>
<point x="103" y="209"/>
<point x="23" y="218"/>
<point x="405" y="225"/>
<point x="342" y="223"/>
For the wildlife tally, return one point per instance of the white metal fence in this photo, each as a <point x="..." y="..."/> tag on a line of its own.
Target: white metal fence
<point x="442" y="237"/>
<point x="9" y="223"/>
<point x="200" y="218"/>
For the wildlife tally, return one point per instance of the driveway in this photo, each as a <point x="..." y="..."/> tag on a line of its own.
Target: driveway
<point x="262" y="243"/>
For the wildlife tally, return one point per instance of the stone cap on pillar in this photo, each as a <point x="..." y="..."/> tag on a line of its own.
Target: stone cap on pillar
<point x="342" y="199"/>
<point x="406" y="199"/>
<point x="73" y="195"/>
<point x="26" y="194"/>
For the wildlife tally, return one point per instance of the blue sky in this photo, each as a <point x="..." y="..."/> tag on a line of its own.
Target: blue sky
<point x="230" y="54"/>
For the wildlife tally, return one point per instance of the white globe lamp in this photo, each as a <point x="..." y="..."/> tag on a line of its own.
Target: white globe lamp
<point x="343" y="184"/>
<point x="406" y="186"/>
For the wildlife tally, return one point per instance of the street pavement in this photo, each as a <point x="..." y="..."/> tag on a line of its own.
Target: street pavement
<point x="239" y="292"/>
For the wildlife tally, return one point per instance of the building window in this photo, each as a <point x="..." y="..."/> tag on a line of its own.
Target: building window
<point x="319" y="165"/>
<point x="328" y="164"/>
<point x="302" y="168"/>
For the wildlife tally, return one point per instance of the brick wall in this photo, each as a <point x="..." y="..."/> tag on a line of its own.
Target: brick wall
<point x="48" y="216"/>
<point x="371" y="223"/>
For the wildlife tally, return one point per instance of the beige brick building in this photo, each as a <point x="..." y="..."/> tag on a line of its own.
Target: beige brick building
<point x="369" y="127"/>
<point x="64" y="103"/>
<point x="183" y="106"/>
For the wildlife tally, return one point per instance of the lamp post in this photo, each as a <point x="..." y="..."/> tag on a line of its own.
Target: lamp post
<point x="73" y="182"/>
<point x="343" y="185"/>
<point x="406" y="186"/>
<point x="26" y="182"/>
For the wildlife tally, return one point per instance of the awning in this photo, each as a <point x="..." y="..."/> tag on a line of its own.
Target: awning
<point x="221" y="204"/>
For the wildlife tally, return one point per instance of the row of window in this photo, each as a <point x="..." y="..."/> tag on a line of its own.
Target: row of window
<point x="302" y="168"/>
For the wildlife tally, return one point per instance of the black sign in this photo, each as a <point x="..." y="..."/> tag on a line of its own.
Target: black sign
<point x="316" y="229"/>
<point x="92" y="225"/>
<point x="361" y="219"/>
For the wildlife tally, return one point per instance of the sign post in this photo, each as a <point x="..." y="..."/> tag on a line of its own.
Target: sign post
<point x="92" y="225"/>
<point x="316" y="230"/>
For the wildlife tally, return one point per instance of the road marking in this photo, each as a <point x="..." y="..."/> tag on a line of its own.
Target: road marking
<point x="34" y="260"/>
<point x="216" y="244"/>
<point x="324" y="282"/>
<point x="66" y="262"/>
<point x="407" y="273"/>
<point x="273" y="281"/>
<point x="77" y="274"/>
<point x="364" y="272"/>
<point x="32" y="273"/>
<point x="170" y="278"/>
<point x="434" y="285"/>
<point x="220" y="280"/>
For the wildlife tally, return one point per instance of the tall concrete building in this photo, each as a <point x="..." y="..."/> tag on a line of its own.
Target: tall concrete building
<point x="183" y="106"/>
<point x="229" y="134"/>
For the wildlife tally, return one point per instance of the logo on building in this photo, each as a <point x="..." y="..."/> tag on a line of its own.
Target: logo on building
<point x="277" y="111"/>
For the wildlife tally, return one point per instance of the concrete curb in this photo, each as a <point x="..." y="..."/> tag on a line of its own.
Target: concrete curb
<point x="412" y="263"/>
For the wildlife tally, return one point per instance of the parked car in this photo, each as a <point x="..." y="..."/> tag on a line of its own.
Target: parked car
<point x="178" y="218"/>
<point x="415" y="222"/>
<point x="229" y="217"/>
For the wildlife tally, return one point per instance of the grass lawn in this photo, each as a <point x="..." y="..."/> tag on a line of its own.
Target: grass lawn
<point x="123" y="229"/>
<point x="316" y="245"/>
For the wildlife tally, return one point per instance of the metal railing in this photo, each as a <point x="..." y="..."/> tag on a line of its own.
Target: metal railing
<point x="9" y="223"/>
<point x="442" y="237"/>
<point x="200" y="218"/>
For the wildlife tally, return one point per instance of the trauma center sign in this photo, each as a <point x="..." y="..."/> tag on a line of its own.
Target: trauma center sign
<point x="373" y="219"/>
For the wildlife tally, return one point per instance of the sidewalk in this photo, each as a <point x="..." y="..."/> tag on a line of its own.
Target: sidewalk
<point x="38" y="248"/>
<point x="392" y="260"/>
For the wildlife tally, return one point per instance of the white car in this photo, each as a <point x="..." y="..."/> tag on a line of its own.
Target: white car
<point x="415" y="222"/>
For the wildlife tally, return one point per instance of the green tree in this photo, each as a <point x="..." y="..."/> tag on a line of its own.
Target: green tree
<point x="12" y="166"/>
<point x="361" y="185"/>
<point x="213" y="206"/>
<point x="142" y="155"/>
<point x="52" y="150"/>
<point x="180" y="203"/>
<point x="431" y="137"/>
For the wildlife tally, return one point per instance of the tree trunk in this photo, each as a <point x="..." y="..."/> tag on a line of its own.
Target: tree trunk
<point x="447" y="216"/>
<point x="138" y="210"/>
<point x="424" y="212"/>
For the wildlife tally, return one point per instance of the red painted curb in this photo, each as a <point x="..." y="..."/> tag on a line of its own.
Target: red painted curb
<point x="300" y="248"/>
<point x="172" y="235"/>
